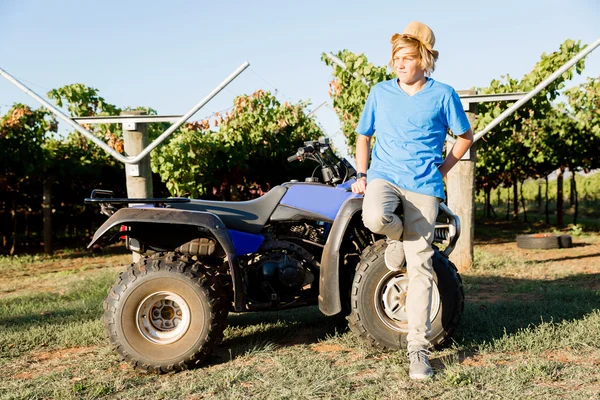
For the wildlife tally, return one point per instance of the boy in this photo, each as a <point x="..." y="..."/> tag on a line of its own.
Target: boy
<point x="411" y="115"/>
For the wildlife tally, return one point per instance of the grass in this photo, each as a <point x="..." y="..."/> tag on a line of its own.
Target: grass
<point x="531" y="328"/>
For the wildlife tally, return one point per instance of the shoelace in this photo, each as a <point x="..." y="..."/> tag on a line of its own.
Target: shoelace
<point x="421" y="355"/>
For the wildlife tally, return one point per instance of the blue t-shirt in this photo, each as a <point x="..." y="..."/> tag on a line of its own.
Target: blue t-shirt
<point x="411" y="131"/>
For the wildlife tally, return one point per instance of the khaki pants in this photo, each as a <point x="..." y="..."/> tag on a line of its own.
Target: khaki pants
<point x="420" y="213"/>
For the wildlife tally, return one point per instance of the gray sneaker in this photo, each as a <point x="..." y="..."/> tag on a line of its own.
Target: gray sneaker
<point x="419" y="364"/>
<point x="394" y="255"/>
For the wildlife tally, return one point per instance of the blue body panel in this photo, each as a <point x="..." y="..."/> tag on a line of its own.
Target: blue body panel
<point x="245" y="243"/>
<point x="321" y="199"/>
<point x="347" y="185"/>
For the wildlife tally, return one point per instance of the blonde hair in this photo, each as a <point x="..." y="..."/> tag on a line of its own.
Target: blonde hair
<point x="427" y="58"/>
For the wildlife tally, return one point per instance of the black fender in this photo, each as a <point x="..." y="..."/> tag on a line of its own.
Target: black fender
<point x="329" y="278"/>
<point x="168" y="216"/>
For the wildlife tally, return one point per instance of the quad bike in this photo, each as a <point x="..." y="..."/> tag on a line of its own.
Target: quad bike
<point x="301" y="244"/>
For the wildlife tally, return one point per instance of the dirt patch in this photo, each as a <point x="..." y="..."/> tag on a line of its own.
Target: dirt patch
<point x="564" y="357"/>
<point x="481" y="360"/>
<point x="570" y="387"/>
<point x="123" y="366"/>
<point x="366" y="374"/>
<point x="498" y="359"/>
<point x="584" y="257"/>
<point x="577" y="266"/>
<point x="42" y="363"/>
<point x="349" y="358"/>
<point x="46" y="356"/>
<point x="507" y="359"/>
<point x="300" y="337"/>
<point x="327" y="348"/>
<point x="474" y="361"/>
<point x="494" y="293"/>
<point x="489" y="296"/>
<point x="24" y="375"/>
<point x="52" y="275"/>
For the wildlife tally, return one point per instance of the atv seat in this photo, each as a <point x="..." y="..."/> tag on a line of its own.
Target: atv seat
<point x="246" y="216"/>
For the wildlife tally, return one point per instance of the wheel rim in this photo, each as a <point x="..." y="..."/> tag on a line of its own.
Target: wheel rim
<point x="163" y="317"/>
<point x="390" y="300"/>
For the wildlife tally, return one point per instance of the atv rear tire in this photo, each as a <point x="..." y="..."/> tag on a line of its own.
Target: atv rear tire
<point x="379" y="318"/>
<point x="164" y="313"/>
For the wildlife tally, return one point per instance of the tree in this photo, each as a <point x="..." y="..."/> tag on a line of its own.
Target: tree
<point x="582" y="131"/>
<point x="514" y="151"/>
<point x="244" y="156"/>
<point x="84" y="101"/>
<point x="23" y="133"/>
<point x="350" y="88"/>
<point x="584" y="102"/>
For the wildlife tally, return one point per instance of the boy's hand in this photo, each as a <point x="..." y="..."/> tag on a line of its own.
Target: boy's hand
<point x="360" y="186"/>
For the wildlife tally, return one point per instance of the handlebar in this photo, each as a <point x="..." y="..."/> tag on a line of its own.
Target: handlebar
<point x="333" y="169"/>
<point x="302" y="153"/>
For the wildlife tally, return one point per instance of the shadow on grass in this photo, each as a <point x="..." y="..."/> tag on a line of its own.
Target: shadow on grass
<point x="56" y="318"/>
<point x="258" y="331"/>
<point x="73" y="253"/>
<point x="563" y="258"/>
<point x="99" y="251"/>
<point x="498" y="231"/>
<point x="81" y="304"/>
<point x="514" y="304"/>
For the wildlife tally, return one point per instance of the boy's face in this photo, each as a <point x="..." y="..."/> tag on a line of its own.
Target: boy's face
<point x="407" y="65"/>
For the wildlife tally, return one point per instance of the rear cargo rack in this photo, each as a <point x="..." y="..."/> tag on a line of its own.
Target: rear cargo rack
<point x="107" y="196"/>
<point x="106" y="199"/>
<point x="110" y="200"/>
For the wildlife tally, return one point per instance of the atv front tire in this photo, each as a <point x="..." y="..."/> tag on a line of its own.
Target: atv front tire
<point x="164" y="313"/>
<point x="378" y="301"/>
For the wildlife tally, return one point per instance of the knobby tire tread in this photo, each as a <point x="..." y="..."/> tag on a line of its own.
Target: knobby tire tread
<point x="204" y="278"/>
<point x="369" y="256"/>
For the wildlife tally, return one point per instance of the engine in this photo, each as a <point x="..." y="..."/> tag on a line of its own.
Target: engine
<point x="277" y="277"/>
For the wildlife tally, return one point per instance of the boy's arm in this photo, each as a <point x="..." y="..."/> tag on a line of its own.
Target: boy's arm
<point x="362" y="153"/>
<point x="362" y="162"/>
<point x="463" y="142"/>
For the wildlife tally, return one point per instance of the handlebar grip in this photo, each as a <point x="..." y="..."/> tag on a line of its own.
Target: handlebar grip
<point x="293" y="158"/>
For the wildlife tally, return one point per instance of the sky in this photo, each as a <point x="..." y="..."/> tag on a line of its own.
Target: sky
<point x="170" y="55"/>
